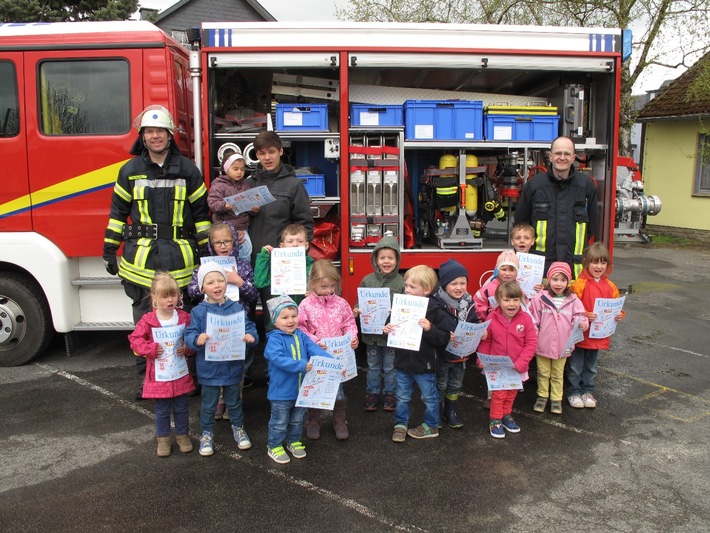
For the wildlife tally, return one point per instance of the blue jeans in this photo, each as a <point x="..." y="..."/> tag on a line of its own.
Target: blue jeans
<point x="581" y="371"/>
<point x="286" y="423"/>
<point x="428" y="393"/>
<point x="380" y="359"/>
<point x="232" y="399"/>
<point x="179" y="407"/>
<point x="449" y="377"/>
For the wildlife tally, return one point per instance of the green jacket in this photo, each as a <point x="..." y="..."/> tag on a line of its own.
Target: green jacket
<point x="262" y="272"/>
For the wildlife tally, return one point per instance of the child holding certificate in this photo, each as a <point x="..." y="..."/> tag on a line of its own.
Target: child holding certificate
<point x="419" y="366"/>
<point x="228" y="184"/>
<point x="454" y="304"/>
<point x="556" y="312"/>
<point x="591" y="284"/>
<point x="292" y="236"/>
<point x="324" y="314"/>
<point x="288" y="351"/>
<point x="511" y="333"/>
<point x="385" y="260"/>
<point x="166" y="378"/>
<point x="223" y="243"/>
<point x="220" y="354"/>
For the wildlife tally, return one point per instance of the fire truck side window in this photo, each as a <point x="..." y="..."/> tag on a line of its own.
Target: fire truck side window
<point x="9" y="107"/>
<point x="84" y="97"/>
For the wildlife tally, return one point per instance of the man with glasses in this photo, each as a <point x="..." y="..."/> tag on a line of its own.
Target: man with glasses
<point x="561" y="204"/>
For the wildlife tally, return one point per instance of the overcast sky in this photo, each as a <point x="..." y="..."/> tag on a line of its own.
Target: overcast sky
<point x="325" y="10"/>
<point x="280" y="9"/>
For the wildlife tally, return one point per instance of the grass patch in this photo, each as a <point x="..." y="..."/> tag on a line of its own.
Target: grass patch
<point x="676" y="241"/>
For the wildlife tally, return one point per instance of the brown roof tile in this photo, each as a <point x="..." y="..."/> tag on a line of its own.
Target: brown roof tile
<point x="675" y="102"/>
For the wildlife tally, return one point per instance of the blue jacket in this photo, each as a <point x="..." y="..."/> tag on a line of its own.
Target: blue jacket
<point x="215" y="373"/>
<point x="287" y="355"/>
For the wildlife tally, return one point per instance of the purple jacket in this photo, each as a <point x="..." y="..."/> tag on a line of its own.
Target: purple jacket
<point x="220" y="188"/>
<point x="555" y="327"/>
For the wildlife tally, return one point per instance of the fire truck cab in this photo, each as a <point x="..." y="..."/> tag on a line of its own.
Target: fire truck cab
<point x="68" y="95"/>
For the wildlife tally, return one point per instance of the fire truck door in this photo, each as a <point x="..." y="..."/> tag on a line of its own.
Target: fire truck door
<point x="14" y="192"/>
<point x="80" y="107"/>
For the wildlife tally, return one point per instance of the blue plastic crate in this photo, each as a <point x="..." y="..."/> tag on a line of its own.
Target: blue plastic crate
<point x="376" y="115"/>
<point x="314" y="184"/>
<point x="443" y="119"/>
<point x="521" y="127"/>
<point x="301" y="117"/>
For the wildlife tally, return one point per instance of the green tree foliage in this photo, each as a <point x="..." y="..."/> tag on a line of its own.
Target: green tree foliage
<point x="61" y="11"/>
<point x="667" y="33"/>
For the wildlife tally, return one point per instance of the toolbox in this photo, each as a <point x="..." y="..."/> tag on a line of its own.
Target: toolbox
<point x="521" y="123"/>
<point x="443" y="120"/>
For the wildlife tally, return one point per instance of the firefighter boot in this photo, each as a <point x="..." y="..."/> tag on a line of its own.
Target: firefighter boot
<point x="313" y="424"/>
<point x="340" y="425"/>
<point x="450" y="416"/>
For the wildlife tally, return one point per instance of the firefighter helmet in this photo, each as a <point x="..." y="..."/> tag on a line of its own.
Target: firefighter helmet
<point x="155" y="116"/>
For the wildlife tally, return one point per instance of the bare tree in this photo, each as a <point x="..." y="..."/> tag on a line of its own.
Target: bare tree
<point x="667" y="33"/>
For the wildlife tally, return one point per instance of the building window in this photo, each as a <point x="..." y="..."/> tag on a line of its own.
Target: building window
<point x="701" y="186"/>
<point x="90" y="97"/>
<point x="9" y="106"/>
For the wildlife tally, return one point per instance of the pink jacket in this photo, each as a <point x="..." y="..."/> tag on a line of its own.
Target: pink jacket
<point x="515" y="338"/>
<point x="142" y="343"/>
<point x="326" y="316"/>
<point x="555" y="327"/>
<point x="483" y="298"/>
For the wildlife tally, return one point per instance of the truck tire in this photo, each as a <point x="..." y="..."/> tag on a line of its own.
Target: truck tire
<point x="25" y="321"/>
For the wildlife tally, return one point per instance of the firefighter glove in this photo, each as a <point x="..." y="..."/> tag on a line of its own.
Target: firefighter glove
<point x="111" y="264"/>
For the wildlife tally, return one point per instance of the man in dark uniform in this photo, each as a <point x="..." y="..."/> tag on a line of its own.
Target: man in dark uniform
<point x="164" y="196"/>
<point x="561" y="204"/>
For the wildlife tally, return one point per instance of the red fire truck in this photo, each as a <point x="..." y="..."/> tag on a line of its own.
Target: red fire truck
<point x="423" y="131"/>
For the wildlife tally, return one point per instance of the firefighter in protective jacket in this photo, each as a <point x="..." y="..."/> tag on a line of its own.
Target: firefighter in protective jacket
<point x="561" y="204"/>
<point x="158" y="210"/>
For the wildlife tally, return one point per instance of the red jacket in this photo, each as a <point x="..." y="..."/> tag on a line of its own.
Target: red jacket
<point x="142" y="343"/>
<point x="588" y="291"/>
<point x="515" y="338"/>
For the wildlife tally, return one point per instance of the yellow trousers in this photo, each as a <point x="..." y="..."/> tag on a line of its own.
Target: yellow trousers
<point x="550" y="376"/>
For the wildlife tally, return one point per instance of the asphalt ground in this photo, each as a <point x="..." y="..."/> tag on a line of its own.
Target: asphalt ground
<point x="78" y="453"/>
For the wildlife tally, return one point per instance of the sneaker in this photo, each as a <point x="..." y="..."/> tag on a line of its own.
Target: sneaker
<point x="390" y="403"/>
<point x="540" y="405"/>
<point x="371" y="402"/>
<point x="510" y="425"/>
<point x="297" y="449"/>
<point x="400" y="433"/>
<point x="556" y="407"/>
<point x="219" y="413"/>
<point x="588" y="400"/>
<point x="240" y="435"/>
<point x="279" y="455"/>
<point x="496" y="429"/>
<point x="576" y="401"/>
<point x="206" y="444"/>
<point x="422" y="431"/>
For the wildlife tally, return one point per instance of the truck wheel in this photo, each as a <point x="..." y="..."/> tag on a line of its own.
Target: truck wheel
<point x="25" y="320"/>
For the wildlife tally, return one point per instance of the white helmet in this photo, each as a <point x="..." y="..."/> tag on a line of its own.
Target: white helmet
<point x="155" y="116"/>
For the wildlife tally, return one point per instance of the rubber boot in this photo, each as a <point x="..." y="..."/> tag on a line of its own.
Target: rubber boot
<point x="164" y="446"/>
<point x="313" y="424"/>
<point x="340" y="425"/>
<point x="450" y="416"/>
